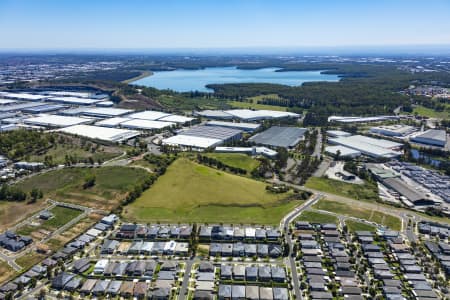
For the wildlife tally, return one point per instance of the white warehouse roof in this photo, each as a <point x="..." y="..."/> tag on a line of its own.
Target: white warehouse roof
<point x="101" y="133"/>
<point x="56" y="121"/>
<point x="247" y="114"/>
<point x="176" y="119"/>
<point x="368" y="146"/>
<point x="191" y="141"/>
<point x="23" y="96"/>
<point x="74" y="100"/>
<point x="145" y="124"/>
<point x="242" y="125"/>
<point x="112" y="122"/>
<point x="105" y="111"/>
<point x="148" y="115"/>
<point x="343" y="151"/>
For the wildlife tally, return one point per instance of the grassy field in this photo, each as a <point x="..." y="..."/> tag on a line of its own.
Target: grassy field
<point x="359" y="212"/>
<point x="237" y="160"/>
<point x="112" y="184"/>
<point x="61" y="216"/>
<point x="189" y="192"/>
<point x="6" y="272"/>
<point x="358" y="226"/>
<point x="316" y="217"/>
<point x="431" y="113"/>
<point x="354" y="191"/>
<point x="252" y="103"/>
<point x="29" y="259"/>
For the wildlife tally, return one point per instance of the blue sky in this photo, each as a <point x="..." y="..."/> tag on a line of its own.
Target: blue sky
<point x="127" y="24"/>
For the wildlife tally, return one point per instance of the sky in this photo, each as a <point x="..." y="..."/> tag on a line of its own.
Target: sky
<point x="176" y="24"/>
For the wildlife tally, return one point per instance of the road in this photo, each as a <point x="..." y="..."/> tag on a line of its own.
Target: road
<point x="187" y="275"/>
<point x="288" y="239"/>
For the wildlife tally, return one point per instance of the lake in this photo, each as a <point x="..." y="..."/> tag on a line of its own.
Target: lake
<point x="196" y="80"/>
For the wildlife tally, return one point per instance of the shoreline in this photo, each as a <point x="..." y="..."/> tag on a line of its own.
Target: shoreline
<point x="143" y="75"/>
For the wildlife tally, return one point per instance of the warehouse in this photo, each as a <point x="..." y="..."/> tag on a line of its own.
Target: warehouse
<point x="338" y="133"/>
<point x="257" y="115"/>
<point x="248" y="127"/>
<point x="248" y="150"/>
<point x="101" y="133"/>
<point x="18" y="106"/>
<point x="105" y="104"/>
<point x="432" y="137"/>
<point x="112" y="122"/>
<point x="45" y="108"/>
<point x="187" y="142"/>
<point x="105" y="112"/>
<point x="214" y="132"/>
<point x="361" y="119"/>
<point x="415" y="197"/>
<point x="276" y="136"/>
<point x="150" y="115"/>
<point x="377" y="148"/>
<point x="145" y="124"/>
<point x="22" y="96"/>
<point x="343" y="151"/>
<point x="176" y="119"/>
<point x="214" y="114"/>
<point x="397" y="130"/>
<point x="56" y="121"/>
<point x="73" y="100"/>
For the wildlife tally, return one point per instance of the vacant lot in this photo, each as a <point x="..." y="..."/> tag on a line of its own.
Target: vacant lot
<point x="316" y="217"/>
<point x="358" y="226"/>
<point x="66" y="185"/>
<point x="355" y="191"/>
<point x="236" y="160"/>
<point x="431" y="113"/>
<point x="359" y="212"/>
<point x="6" y="272"/>
<point x="189" y="192"/>
<point x="252" y="103"/>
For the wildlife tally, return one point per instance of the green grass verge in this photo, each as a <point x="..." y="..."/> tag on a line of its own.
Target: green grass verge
<point x="358" y="226"/>
<point x="355" y="191"/>
<point x="316" y="217"/>
<point x="359" y="212"/>
<point x="190" y="192"/>
<point x="236" y="160"/>
<point x="431" y="113"/>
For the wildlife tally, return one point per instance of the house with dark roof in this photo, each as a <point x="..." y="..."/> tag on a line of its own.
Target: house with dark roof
<point x="60" y="280"/>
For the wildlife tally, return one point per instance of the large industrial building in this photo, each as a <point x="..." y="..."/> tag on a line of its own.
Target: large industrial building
<point x="276" y="136"/>
<point x="246" y="114"/>
<point x="406" y="191"/>
<point x="55" y="121"/>
<point x="376" y="148"/>
<point x="361" y="119"/>
<point x="248" y="127"/>
<point x="112" y="122"/>
<point x="432" y="137"/>
<point x="397" y="130"/>
<point x="342" y="151"/>
<point x="105" y="112"/>
<point x="101" y="133"/>
<point x="338" y="133"/>
<point x="145" y="124"/>
<point x="201" y="137"/>
<point x="248" y="150"/>
<point x="150" y="115"/>
<point x="73" y="100"/>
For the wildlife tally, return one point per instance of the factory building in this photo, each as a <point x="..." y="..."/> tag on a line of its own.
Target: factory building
<point x="248" y="127"/>
<point x="397" y="130"/>
<point x="276" y="136"/>
<point x="343" y="151"/>
<point x="376" y="148"/>
<point x="101" y="133"/>
<point x="432" y="137"/>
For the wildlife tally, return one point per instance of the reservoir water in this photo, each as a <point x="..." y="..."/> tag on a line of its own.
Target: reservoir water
<point x="196" y="80"/>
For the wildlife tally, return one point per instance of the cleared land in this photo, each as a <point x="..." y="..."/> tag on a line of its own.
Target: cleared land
<point x="111" y="186"/>
<point x="190" y="192"/>
<point x="359" y="212"/>
<point x="431" y="113"/>
<point x="236" y="160"/>
<point x="358" y="226"/>
<point x="61" y="216"/>
<point x="316" y="217"/>
<point x="355" y="191"/>
<point x="6" y="272"/>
